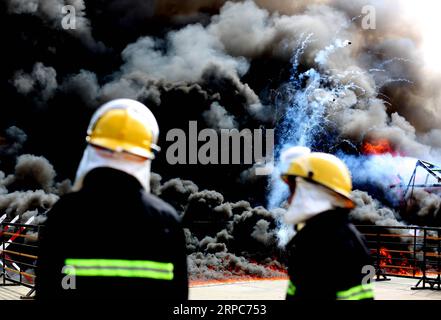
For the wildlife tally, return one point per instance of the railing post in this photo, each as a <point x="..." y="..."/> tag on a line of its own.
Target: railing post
<point x="20" y="273"/>
<point x="378" y="256"/>
<point x="438" y="261"/>
<point x="424" y="257"/>
<point x="414" y="251"/>
<point x="3" y="257"/>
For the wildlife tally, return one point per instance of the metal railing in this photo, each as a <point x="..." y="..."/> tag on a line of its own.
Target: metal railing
<point x="411" y="252"/>
<point x="18" y="255"/>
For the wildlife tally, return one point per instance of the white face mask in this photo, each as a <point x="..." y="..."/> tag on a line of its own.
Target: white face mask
<point x="310" y="200"/>
<point x="92" y="159"/>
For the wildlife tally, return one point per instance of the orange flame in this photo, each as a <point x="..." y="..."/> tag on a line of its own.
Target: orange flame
<point x="233" y="274"/>
<point x="385" y="258"/>
<point x="377" y="147"/>
<point x="196" y="283"/>
<point x="398" y="266"/>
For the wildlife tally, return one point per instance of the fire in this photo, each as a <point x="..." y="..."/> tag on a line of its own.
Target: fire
<point x="398" y="265"/>
<point x="196" y="283"/>
<point x="377" y="147"/>
<point x="234" y="274"/>
<point x="386" y="258"/>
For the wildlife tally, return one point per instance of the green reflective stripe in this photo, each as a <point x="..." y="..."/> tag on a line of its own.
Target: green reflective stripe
<point x="362" y="296"/>
<point x="127" y="273"/>
<point x="291" y="289"/>
<point x="354" y="290"/>
<point x="119" y="268"/>
<point x="164" y="266"/>
<point x="357" y="293"/>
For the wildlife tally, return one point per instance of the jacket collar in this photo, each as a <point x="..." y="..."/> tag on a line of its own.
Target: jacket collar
<point x="109" y="179"/>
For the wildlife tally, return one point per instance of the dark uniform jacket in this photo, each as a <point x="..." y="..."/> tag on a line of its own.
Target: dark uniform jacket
<point x="113" y="240"/>
<point x="326" y="259"/>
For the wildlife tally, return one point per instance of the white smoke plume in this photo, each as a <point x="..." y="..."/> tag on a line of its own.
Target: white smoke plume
<point x="42" y="81"/>
<point x="218" y="118"/>
<point x="370" y="211"/>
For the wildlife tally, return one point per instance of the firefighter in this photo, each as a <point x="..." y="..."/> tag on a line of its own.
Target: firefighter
<point x="327" y="255"/>
<point x="288" y="156"/>
<point x="111" y="238"/>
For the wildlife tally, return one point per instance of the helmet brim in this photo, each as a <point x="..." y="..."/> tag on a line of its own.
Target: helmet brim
<point x="118" y="146"/>
<point x="287" y="178"/>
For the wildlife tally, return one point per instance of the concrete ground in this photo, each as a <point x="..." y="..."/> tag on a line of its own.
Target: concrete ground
<point x="396" y="289"/>
<point x="12" y="292"/>
<point x="247" y="290"/>
<point x="400" y="289"/>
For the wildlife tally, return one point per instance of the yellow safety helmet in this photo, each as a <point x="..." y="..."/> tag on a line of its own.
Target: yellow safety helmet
<point x="124" y="125"/>
<point x="324" y="169"/>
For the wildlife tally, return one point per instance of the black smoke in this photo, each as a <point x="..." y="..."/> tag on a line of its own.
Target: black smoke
<point x="225" y="239"/>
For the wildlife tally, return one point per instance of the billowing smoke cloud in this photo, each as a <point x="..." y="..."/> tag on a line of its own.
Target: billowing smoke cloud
<point x="225" y="239"/>
<point x="423" y="208"/>
<point x="13" y="142"/>
<point x="30" y="189"/>
<point x="51" y="11"/>
<point x="193" y="54"/>
<point x="219" y="54"/>
<point x="20" y="203"/>
<point x="42" y="81"/>
<point x="85" y="85"/>
<point x="345" y="85"/>
<point x="176" y="192"/>
<point x="218" y="118"/>
<point x="371" y="211"/>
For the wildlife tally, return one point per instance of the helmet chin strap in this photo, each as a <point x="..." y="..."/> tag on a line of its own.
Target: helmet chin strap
<point x="93" y="159"/>
<point x="309" y="200"/>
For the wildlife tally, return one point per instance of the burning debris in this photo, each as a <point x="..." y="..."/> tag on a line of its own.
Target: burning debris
<point x="225" y="240"/>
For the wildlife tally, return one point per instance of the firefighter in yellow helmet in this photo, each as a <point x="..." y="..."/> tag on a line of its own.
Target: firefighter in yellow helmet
<point x="111" y="238"/>
<point x="327" y="254"/>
